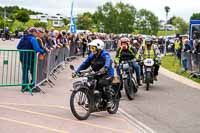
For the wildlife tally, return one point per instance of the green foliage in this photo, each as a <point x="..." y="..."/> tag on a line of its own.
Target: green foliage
<point x="31" y="23"/>
<point x="147" y="22"/>
<point x="181" y="25"/>
<point x="162" y="33"/>
<point x="172" y="64"/>
<point x="85" y="21"/>
<point x="18" y="25"/>
<point x="171" y="19"/>
<point x="22" y="16"/>
<point x="66" y="21"/>
<point x="1" y="23"/>
<point x="115" y="19"/>
<point x="41" y="24"/>
<point x="195" y="16"/>
<point x="49" y="25"/>
<point x="12" y="10"/>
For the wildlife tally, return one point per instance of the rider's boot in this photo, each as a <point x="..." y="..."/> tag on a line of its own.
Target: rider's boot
<point x="139" y="83"/>
<point x="156" y="78"/>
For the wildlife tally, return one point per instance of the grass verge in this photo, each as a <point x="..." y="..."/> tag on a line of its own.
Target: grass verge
<point x="172" y="64"/>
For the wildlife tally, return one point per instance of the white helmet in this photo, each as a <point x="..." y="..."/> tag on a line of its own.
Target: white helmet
<point x="135" y="41"/>
<point x="98" y="43"/>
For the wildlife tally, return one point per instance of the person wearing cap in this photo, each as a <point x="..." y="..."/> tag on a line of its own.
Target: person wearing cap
<point x="40" y="39"/>
<point x="28" y="42"/>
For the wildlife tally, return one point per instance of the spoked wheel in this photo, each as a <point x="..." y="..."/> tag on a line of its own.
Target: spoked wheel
<point x="114" y="108"/>
<point x="80" y="104"/>
<point x="129" y="89"/>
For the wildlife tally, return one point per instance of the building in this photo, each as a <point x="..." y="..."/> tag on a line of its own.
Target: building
<point x="56" y="20"/>
<point x="167" y="26"/>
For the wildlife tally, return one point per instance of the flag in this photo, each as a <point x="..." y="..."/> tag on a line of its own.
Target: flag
<point x="72" y="20"/>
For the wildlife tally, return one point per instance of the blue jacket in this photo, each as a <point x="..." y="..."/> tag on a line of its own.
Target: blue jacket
<point x="103" y="60"/>
<point x="29" y="42"/>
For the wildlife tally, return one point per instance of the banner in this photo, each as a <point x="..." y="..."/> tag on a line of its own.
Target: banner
<point x="72" y="21"/>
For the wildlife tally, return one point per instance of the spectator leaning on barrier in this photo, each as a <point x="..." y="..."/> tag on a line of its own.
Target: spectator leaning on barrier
<point x="186" y="49"/>
<point x="28" y="42"/>
<point x="47" y="40"/>
<point x="40" y="35"/>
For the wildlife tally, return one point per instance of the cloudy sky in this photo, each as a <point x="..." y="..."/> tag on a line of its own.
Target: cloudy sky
<point x="182" y="8"/>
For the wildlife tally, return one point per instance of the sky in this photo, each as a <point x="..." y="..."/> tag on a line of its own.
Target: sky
<point x="182" y="8"/>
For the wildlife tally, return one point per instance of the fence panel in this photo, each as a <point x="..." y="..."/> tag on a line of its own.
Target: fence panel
<point x="16" y="68"/>
<point x="42" y="68"/>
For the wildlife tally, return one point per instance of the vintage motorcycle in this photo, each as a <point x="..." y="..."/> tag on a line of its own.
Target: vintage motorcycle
<point x="86" y="97"/>
<point x="127" y="78"/>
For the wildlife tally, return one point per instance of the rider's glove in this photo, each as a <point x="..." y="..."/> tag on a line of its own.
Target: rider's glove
<point x="74" y="74"/>
<point x="103" y="70"/>
<point x="159" y="61"/>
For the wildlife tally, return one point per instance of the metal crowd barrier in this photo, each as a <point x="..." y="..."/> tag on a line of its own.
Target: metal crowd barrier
<point x="193" y="62"/>
<point x="110" y="45"/>
<point x="16" y="68"/>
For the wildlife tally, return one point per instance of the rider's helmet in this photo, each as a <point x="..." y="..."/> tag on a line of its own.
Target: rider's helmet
<point x="148" y="41"/>
<point x="96" y="45"/>
<point x="124" y="42"/>
<point x="135" y="41"/>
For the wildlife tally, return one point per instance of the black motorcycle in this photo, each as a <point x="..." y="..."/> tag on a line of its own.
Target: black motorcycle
<point x="87" y="98"/>
<point x="127" y="78"/>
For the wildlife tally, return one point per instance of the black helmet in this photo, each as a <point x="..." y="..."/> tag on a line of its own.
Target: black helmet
<point x="148" y="41"/>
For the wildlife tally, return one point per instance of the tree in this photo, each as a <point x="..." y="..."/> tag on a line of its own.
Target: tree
<point x="22" y="16"/>
<point x="195" y="16"/>
<point x="119" y="18"/>
<point x="41" y="24"/>
<point x="85" y="21"/>
<point x="181" y="25"/>
<point x="1" y="23"/>
<point x="66" y="21"/>
<point x="171" y="19"/>
<point x="147" y="22"/>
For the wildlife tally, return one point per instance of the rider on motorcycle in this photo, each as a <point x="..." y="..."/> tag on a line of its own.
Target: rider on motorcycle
<point x="124" y="53"/>
<point x="148" y="50"/>
<point x="100" y="60"/>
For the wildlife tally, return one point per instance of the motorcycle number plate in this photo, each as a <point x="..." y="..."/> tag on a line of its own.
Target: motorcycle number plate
<point x="148" y="70"/>
<point x="124" y="76"/>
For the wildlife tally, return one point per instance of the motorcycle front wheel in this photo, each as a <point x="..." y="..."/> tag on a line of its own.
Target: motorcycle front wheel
<point x="148" y="79"/>
<point x="128" y="86"/>
<point x="80" y="104"/>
